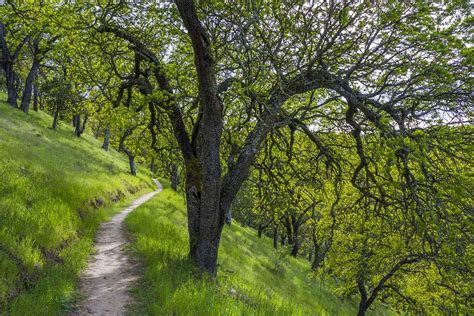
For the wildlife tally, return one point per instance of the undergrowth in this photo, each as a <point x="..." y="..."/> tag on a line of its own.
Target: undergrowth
<point x="55" y="189"/>
<point x="253" y="278"/>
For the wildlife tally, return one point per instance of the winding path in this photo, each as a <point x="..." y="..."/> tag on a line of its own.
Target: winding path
<point x="110" y="273"/>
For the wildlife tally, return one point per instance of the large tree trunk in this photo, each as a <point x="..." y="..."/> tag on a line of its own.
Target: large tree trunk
<point x="105" y="145"/>
<point x="206" y="209"/>
<point x="204" y="233"/>
<point x="28" y="90"/>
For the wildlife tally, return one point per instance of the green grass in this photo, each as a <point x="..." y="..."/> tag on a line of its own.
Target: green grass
<point x="47" y="220"/>
<point x="253" y="278"/>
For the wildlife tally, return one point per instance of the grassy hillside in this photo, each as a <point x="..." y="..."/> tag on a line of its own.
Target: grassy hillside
<point x="55" y="189"/>
<point x="253" y="279"/>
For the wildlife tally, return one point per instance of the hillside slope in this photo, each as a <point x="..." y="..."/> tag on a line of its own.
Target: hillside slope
<point x="253" y="278"/>
<point x="55" y="188"/>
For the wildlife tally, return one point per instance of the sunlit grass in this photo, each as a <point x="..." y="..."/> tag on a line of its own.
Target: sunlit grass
<point x="47" y="220"/>
<point x="253" y="278"/>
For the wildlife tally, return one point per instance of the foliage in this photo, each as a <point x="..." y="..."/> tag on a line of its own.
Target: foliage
<point x="343" y="126"/>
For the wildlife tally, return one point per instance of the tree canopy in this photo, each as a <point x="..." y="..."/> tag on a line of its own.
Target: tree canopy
<point x="340" y="127"/>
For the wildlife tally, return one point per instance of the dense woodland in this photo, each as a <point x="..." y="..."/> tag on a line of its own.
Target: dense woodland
<point x="341" y="129"/>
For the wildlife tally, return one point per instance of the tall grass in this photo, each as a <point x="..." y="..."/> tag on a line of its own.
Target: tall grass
<point x="253" y="278"/>
<point x="53" y="190"/>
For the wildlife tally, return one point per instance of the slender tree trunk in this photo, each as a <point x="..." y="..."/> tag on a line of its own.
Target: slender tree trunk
<point x="105" y="145"/>
<point x="131" y="161"/>
<point x="130" y="155"/>
<point x="152" y="165"/>
<point x="40" y="101"/>
<point x="9" y="58"/>
<point x="296" y="236"/>
<point x="260" y="230"/>
<point x="35" y="98"/>
<point x="10" y="76"/>
<point x="76" y="122"/>
<point x="174" y="177"/>
<point x="296" y="245"/>
<point x="289" y="231"/>
<point x="27" y="91"/>
<point x="275" y="236"/>
<point x="283" y="239"/>
<point x="317" y="257"/>
<point x="55" y="118"/>
<point x="83" y="127"/>
<point x="320" y="251"/>
<point x="363" y="306"/>
<point x="75" y="118"/>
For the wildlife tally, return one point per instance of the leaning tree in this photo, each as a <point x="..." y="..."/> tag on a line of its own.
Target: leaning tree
<point x="225" y="75"/>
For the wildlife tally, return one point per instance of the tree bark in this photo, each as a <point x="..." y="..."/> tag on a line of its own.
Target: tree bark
<point x="28" y="90"/>
<point x="209" y="195"/>
<point x="35" y="98"/>
<point x="319" y="253"/>
<point x="275" y="236"/>
<point x="366" y="301"/>
<point x="260" y="230"/>
<point x="174" y="176"/>
<point x="131" y="162"/>
<point x="131" y="159"/>
<point x="152" y="165"/>
<point x="8" y="61"/>
<point x="11" y="91"/>
<point x="130" y="155"/>
<point x="206" y="208"/>
<point x="363" y="298"/>
<point x="78" y="128"/>
<point x="106" y="143"/>
<point x="55" y="118"/>
<point x="40" y="100"/>
<point x="296" y="246"/>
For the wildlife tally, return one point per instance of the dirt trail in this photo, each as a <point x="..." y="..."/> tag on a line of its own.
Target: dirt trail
<point x="110" y="272"/>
